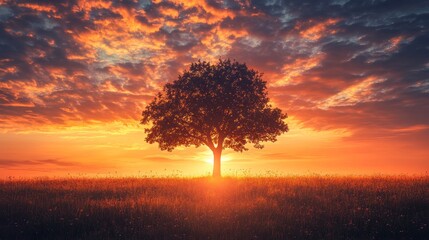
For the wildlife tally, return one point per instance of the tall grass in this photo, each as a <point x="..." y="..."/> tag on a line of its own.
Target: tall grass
<point x="204" y="208"/>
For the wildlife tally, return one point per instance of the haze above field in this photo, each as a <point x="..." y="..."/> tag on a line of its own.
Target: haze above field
<point x="75" y="76"/>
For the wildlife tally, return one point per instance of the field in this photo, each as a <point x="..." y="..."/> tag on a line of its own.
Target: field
<point x="203" y="208"/>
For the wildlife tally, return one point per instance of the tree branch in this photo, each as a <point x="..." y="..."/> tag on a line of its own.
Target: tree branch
<point x="207" y="141"/>
<point x="197" y="138"/>
<point x="210" y="142"/>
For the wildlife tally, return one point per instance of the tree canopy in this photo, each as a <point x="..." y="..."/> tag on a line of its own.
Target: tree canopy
<point x="222" y="105"/>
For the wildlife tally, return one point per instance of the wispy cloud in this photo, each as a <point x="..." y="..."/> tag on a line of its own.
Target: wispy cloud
<point x="41" y="162"/>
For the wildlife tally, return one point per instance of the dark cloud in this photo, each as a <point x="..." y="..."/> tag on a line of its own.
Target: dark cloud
<point x="180" y="40"/>
<point x="264" y="27"/>
<point x="103" y="13"/>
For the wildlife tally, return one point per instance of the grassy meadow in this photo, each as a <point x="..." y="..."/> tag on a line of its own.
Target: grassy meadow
<point x="203" y="208"/>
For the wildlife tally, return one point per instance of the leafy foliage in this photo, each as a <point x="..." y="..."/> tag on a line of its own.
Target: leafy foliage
<point x="222" y="106"/>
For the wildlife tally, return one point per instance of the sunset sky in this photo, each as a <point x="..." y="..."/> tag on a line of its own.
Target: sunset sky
<point x="353" y="76"/>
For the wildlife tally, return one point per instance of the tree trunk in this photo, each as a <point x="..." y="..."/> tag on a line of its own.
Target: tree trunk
<point x="216" y="162"/>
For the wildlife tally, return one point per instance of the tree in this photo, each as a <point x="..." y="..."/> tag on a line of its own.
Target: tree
<point x="224" y="105"/>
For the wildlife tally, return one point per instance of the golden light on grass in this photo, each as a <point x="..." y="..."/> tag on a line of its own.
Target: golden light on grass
<point x="311" y="207"/>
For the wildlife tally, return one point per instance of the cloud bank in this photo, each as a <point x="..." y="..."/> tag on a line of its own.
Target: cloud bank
<point x="358" y="65"/>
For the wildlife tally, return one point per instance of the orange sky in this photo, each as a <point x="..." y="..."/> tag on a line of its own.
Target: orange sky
<point x="75" y="76"/>
<point x="118" y="149"/>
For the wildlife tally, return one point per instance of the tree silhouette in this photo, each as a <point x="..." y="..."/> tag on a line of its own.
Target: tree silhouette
<point x="224" y="105"/>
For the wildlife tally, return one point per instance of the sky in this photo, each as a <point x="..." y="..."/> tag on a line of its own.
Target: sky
<point x="353" y="77"/>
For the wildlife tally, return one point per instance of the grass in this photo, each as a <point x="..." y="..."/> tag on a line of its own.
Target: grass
<point x="203" y="208"/>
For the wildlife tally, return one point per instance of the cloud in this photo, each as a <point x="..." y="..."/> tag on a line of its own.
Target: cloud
<point x="358" y="93"/>
<point x="6" y="163"/>
<point x="330" y="64"/>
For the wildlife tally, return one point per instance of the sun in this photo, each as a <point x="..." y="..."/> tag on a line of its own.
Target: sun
<point x="207" y="157"/>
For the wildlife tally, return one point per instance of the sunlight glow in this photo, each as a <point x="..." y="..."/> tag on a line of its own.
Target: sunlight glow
<point x="75" y="77"/>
